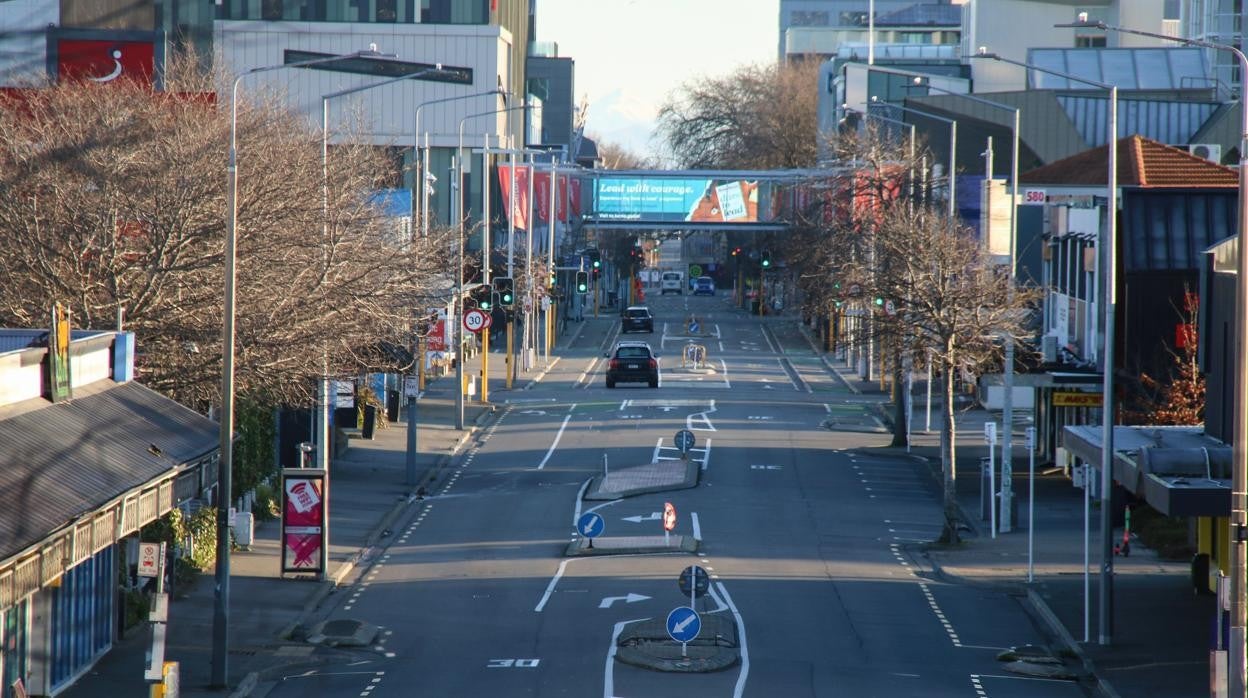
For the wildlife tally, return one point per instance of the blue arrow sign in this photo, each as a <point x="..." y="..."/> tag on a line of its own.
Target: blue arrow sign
<point x="683" y="624"/>
<point x="590" y="525"/>
<point x="684" y="440"/>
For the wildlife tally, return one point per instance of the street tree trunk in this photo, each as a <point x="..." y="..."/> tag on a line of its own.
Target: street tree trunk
<point x="948" y="450"/>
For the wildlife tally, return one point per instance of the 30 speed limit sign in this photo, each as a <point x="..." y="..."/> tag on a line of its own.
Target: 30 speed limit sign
<point x="476" y="320"/>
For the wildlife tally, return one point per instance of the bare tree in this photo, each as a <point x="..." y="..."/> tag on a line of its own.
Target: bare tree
<point x="113" y="198"/>
<point x="950" y="299"/>
<point x="757" y="117"/>
<point x="617" y="157"/>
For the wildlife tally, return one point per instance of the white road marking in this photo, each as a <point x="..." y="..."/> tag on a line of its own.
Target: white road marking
<point x="725" y="367"/>
<point x="769" y="344"/>
<point x="550" y="588"/>
<point x="608" y="676"/>
<point x="706" y="455"/>
<point x="588" y="370"/>
<point x="657" y="447"/>
<point x="702" y="415"/>
<point x="555" y="445"/>
<point x="576" y="515"/>
<point x="697" y="527"/>
<point x="623" y="405"/>
<point x="721" y="347"/>
<point x="743" y="646"/>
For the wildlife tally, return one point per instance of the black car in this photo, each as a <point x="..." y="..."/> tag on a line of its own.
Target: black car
<point x="633" y="362"/>
<point x="637" y="318"/>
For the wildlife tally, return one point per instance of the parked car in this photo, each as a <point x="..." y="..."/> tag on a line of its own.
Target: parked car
<point x="704" y="286"/>
<point x="637" y="318"/>
<point x="672" y="282"/>
<point x="633" y="362"/>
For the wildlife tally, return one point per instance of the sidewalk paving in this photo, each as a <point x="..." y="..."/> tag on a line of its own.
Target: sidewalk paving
<point x="1161" y="630"/>
<point x="368" y="493"/>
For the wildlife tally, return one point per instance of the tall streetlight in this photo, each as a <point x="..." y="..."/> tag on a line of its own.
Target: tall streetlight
<point x="423" y="158"/>
<point x="899" y="122"/>
<point x="1007" y="416"/>
<point x="1239" y="436"/>
<point x="953" y="149"/>
<point x="221" y="595"/>
<point x="459" y="288"/>
<point x="322" y="431"/>
<point x="1110" y="246"/>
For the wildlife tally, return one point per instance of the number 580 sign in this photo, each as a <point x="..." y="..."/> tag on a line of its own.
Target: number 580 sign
<point x="1034" y="197"/>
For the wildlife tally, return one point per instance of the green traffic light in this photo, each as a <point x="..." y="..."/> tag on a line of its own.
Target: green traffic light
<point x="597" y="264"/>
<point x="879" y="301"/>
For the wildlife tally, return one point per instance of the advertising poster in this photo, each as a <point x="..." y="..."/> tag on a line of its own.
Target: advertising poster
<point x="567" y="199"/>
<point x="436" y="341"/>
<point x="303" y="519"/>
<point x="660" y="199"/>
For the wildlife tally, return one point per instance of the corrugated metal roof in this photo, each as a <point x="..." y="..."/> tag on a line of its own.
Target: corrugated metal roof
<point x="1170" y="68"/>
<point x="1167" y="121"/>
<point x="63" y="460"/>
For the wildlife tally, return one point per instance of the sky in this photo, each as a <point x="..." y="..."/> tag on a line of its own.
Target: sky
<point x="631" y="54"/>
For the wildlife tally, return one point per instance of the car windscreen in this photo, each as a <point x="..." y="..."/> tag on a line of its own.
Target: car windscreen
<point x="638" y="313"/>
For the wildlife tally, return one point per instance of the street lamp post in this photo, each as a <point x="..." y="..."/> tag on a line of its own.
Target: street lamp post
<point x="322" y="431"/>
<point x="221" y="596"/>
<point x="1109" y="302"/>
<point x="422" y="159"/>
<point x="953" y="150"/>
<point x="1007" y="416"/>
<point x="459" y="289"/>
<point x="1239" y="435"/>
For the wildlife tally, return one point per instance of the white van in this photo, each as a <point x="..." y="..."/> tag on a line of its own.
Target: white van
<point x="673" y="282"/>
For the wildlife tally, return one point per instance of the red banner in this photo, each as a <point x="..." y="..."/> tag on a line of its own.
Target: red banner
<point x="568" y="198"/>
<point x="105" y="61"/>
<point x="436" y="341"/>
<point x="303" y="519"/>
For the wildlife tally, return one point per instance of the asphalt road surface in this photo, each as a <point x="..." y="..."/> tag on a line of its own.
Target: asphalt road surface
<point x="810" y="536"/>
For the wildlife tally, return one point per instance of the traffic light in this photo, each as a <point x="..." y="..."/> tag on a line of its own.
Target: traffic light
<point x="486" y="302"/>
<point x="736" y="251"/>
<point x="582" y="282"/>
<point x="503" y="286"/>
<point x="597" y="264"/>
<point x="766" y="259"/>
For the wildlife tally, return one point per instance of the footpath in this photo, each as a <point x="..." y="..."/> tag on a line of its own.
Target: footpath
<point x="268" y="614"/>
<point x="1161" y="630"/>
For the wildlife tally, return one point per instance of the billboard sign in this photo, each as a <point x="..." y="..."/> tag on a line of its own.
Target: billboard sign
<point x="667" y="199"/>
<point x="303" y="520"/>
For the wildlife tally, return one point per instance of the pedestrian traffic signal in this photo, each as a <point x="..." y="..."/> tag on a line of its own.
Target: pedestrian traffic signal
<point x="486" y="301"/>
<point x="597" y="264"/>
<point x="503" y="286"/>
<point x="766" y="259"/>
<point x="582" y="282"/>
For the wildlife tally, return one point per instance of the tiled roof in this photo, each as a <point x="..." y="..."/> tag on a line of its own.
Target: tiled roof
<point x="1142" y="162"/>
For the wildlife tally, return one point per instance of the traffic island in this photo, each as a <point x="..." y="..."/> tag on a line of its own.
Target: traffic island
<point x="343" y="633"/>
<point x="662" y="476"/>
<point x="631" y="545"/>
<point x="646" y="644"/>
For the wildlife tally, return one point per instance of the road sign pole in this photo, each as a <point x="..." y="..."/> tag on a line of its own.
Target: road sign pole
<point x="511" y="357"/>
<point x="485" y="365"/>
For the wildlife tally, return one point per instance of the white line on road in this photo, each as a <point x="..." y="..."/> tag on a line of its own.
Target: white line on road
<point x="588" y="369"/>
<point x="697" y="527"/>
<point x="725" y="367"/>
<point x="721" y="347"/>
<point x="742" y="645"/>
<point x="657" y="446"/>
<point x="769" y="344"/>
<point x="608" y="676"/>
<point x="702" y="415"/>
<point x="623" y="404"/>
<point x="550" y="588"/>
<point x="576" y="516"/>
<point x="706" y="455"/>
<point x="555" y="445"/>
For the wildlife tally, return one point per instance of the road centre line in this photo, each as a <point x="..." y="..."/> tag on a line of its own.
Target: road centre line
<point x="724" y="366"/>
<point x="555" y="445"/>
<point x="550" y="588"/>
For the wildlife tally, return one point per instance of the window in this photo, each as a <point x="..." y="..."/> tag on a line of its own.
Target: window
<point x="1090" y="41"/>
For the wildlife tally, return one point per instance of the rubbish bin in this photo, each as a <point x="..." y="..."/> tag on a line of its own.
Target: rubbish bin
<point x="370" y="421"/>
<point x="392" y="405"/>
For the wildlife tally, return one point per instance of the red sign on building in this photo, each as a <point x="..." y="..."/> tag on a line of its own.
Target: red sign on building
<point x="303" y="520"/>
<point x="105" y="61"/>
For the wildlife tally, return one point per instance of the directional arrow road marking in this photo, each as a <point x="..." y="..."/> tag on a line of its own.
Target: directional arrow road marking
<point x="631" y="598"/>
<point x="654" y="516"/>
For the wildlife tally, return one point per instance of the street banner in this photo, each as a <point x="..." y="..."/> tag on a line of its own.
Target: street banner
<point x="567" y="199"/>
<point x="304" y="524"/>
